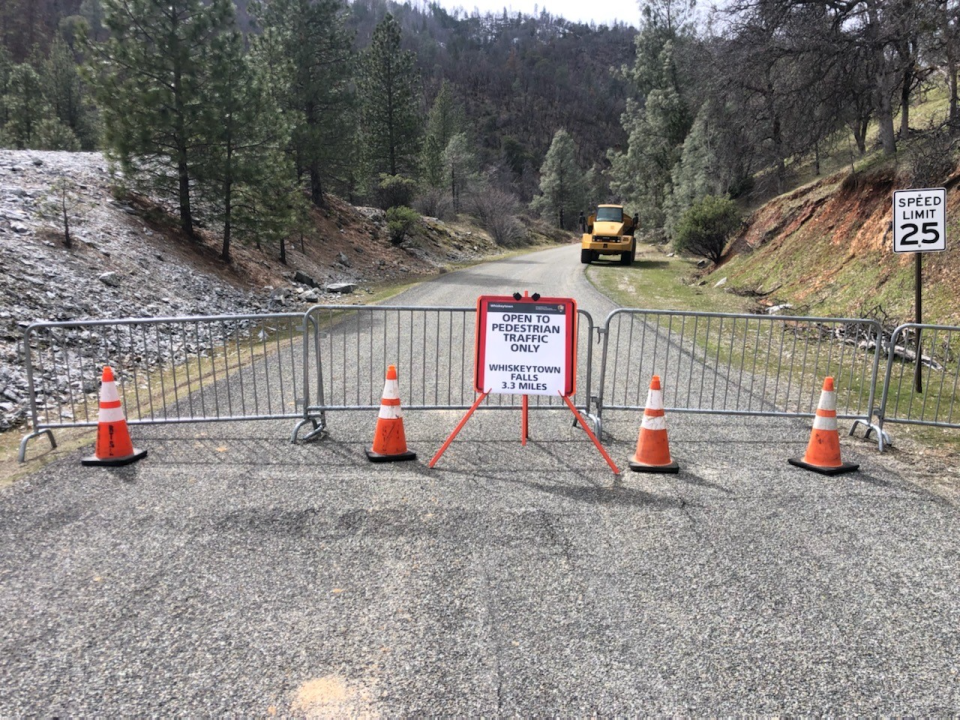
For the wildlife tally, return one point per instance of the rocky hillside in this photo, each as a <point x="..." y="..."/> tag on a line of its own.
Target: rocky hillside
<point x="827" y="249"/>
<point x="126" y="260"/>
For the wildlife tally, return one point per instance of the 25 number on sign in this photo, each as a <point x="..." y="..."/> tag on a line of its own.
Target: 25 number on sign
<point x="931" y="232"/>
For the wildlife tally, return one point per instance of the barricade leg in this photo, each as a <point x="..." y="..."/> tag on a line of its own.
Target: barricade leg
<point x="22" y="455"/>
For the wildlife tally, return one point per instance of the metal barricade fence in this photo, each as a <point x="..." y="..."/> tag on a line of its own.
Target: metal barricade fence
<point x="937" y="404"/>
<point x="168" y="370"/>
<point x="299" y="366"/>
<point x="738" y="364"/>
<point x="432" y="348"/>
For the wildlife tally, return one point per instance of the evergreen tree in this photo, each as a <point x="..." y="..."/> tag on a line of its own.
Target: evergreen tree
<point x="388" y="86"/>
<point x="312" y="37"/>
<point x="446" y="116"/>
<point x="25" y="105"/>
<point x="152" y="79"/>
<point x="63" y="91"/>
<point x="563" y="191"/>
<point x="444" y="121"/>
<point x="698" y="173"/>
<point x="6" y="66"/>
<point x="459" y="167"/>
<point x="643" y="175"/>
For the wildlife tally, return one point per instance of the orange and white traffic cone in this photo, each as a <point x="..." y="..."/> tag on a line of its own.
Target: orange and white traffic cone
<point x="653" y="450"/>
<point x="823" y="450"/>
<point x="389" y="441"/>
<point x="113" y="438"/>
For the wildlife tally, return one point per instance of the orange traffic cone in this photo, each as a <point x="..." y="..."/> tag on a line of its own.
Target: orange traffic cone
<point x="389" y="441"/>
<point x="823" y="450"/>
<point x="653" y="451"/>
<point x="113" y="438"/>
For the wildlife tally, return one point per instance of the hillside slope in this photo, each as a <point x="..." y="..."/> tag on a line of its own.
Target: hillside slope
<point x="129" y="260"/>
<point x="827" y="249"/>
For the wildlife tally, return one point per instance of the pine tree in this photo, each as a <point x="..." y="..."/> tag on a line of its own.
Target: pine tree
<point x="62" y="88"/>
<point x="562" y="187"/>
<point x="6" y="66"/>
<point x="311" y="36"/>
<point x="25" y="105"/>
<point x="247" y="157"/>
<point x="459" y="167"/>
<point x="389" y="98"/>
<point x="152" y="79"/>
<point x="445" y="121"/>
<point x="643" y="175"/>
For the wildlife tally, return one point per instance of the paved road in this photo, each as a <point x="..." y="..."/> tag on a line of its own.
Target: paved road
<point x="233" y="573"/>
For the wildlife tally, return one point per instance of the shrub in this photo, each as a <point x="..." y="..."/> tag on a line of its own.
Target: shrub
<point x="496" y="211"/>
<point x="705" y="228"/>
<point x="399" y="221"/>
<point x="435" y="202"/>
<point x="51" y="134"/>
<point x="395" y="191"/>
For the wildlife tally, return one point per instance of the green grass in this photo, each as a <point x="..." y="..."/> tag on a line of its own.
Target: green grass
<point x="657" y="281"/>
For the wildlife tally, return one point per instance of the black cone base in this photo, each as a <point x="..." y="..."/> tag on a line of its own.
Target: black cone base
<point x="844" y="468"/>
<point x="644" y="468"/>
<point x="115" y="461"/>
<point x="378" y="458"/>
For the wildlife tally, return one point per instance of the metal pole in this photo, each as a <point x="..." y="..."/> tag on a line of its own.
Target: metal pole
<point x="917" y="371"/>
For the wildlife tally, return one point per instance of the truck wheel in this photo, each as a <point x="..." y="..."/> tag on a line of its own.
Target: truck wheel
<point x="586" y="256"/>
<point x="627" y="258"/>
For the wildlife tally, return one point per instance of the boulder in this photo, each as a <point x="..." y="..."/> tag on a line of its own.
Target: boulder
<point x="305" y="279"/>
<point x="110" y="279"/>
<point x="344" y="288"/>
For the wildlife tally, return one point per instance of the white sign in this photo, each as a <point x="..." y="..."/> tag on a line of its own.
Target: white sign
<point x="526" y="348"/>
<point x="920" y="220"/>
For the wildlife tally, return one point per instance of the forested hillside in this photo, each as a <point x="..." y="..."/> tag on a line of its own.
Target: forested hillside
<point x="242" y="114"/>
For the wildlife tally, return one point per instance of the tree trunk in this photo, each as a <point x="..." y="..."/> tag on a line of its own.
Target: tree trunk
<point x="905" y="102"/>
<point x="950" y="43"/>
<point x="227" y="219"/>
<point x="283" y="250"/>
<point x="316" y="187"/>
<point x="186" y="215"/>
<point x="860" y="134"/>
<point x="67" y="241"/>
<point x="183" y="171"/>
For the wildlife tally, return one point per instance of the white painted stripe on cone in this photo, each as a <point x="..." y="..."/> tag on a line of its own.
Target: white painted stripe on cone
<point x="657" y="422"/>
<point x="109" y="415"/>
<point x="391" y="390"/>
<point x="825" y="423"/>
<point x="108" y="392"/>
<point x="390" y="412"/>
<point x="655" y="399"/>
<point x="828" y="400"/>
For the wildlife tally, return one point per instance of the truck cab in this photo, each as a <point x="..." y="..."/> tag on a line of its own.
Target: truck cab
<point x="609" y="231"/>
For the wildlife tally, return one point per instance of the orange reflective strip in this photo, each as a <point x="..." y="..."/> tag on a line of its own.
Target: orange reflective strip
<point x="826" y="413"/>
<point x="390" y="401"/>
<point x="650" y="412"/>
<point x="110" y="404"/>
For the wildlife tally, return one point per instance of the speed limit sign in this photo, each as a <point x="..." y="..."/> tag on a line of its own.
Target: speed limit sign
<point x="920" y="220"/>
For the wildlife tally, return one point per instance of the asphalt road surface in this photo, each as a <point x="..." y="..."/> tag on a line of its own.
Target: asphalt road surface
<point x="232" y="573"/>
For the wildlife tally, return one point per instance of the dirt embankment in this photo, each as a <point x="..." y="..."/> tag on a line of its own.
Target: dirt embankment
<point x="827" y="249"/>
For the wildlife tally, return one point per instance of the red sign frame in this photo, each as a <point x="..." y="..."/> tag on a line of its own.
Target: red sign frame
<point x="526" y="304"/>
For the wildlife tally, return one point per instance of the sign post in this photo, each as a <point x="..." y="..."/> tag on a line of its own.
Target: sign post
<point x="525" y="345"/>
<point x="919" y="226"/>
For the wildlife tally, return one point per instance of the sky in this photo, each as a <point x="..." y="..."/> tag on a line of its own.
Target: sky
<point x="605" y="12"/>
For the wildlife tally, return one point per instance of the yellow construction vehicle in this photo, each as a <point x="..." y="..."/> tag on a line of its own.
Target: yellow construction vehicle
<point x="608" y="232"/>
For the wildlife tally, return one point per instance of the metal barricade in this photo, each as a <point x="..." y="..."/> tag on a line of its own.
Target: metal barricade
<point x="737" y="364"/>
<point x="432" y="348"/>
<point x="168" y="370"/>
<point x="937" y="366"/>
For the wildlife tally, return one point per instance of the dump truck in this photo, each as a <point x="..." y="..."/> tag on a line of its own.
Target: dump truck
<point x="608" y="231"/>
